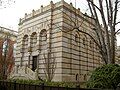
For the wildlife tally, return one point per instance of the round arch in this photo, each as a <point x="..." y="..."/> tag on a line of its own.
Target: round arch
<point x="25" y="43"/>
<point x="43" y="39"/>
<point x="33" y="40"/>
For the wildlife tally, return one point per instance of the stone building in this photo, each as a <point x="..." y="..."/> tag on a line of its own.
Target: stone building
<point x="7" y="51"/>
<point x="47" y="42"/>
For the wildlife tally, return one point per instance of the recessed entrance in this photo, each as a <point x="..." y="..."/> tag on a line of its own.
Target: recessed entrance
<point x="34" y="63"/>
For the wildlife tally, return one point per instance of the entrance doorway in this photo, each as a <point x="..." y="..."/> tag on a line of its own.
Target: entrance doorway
<point x="34" y="63"/>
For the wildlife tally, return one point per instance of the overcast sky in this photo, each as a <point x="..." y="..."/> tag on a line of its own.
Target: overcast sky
<point x="9" y="16"/>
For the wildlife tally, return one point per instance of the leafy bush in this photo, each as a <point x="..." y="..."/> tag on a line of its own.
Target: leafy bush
<point x="21" y="81"/>
<point x="46" y="83"/>
<point x="61" y="84"/>
<point x="106" y="76"/>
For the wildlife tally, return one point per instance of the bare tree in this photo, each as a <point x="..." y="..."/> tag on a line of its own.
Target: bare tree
<point x="50" y="66"/>
<point x="6" y="58"/>
<point x="105" y="10"/>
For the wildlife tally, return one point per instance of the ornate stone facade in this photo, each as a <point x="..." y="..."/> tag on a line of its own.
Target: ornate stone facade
<point x="47" y="35"/>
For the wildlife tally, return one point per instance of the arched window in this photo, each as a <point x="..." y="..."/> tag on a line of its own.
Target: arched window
<point x="76" y="38"/>
<point x="96" y="47"/>
<point x="25" y="43"/>
<point x="90" y="44"/>
<point x="43" y="39"/>
<point x="33" y="40"/>
<point x="84" y="41"/>
<point x="85" y="77"/>
<point x="43" y="35"/>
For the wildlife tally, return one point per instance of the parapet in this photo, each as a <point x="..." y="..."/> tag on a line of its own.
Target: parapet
<point x="50" y="7"/>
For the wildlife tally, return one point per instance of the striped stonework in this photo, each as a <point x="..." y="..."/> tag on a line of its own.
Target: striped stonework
<point x="48" y="33"/>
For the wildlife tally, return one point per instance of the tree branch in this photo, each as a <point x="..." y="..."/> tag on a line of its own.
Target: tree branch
<point x="117" y="23"/>
<point x="99" y="46"/>
<point x="108" y="15"/>
<point x="96" y="31"/>
<point x="117" y="31"/>
<point x="94" y="5"/>
<point x="90" y="8"/>
<point x="115" y="14"/>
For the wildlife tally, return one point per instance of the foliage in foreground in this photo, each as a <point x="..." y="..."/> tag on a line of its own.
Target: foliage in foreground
<point x="46" y="83"/>
<point x="106" y="76"/>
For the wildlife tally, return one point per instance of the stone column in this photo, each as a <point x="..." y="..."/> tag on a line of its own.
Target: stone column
<point x="29" y="50"/>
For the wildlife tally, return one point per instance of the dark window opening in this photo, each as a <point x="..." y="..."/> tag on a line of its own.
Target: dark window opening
<point x="34" y="63"/>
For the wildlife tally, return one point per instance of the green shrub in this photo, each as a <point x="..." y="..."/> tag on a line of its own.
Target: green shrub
<point x="46" y="83"/>
<point x="21" y="81"/>
<point x="106" y="76"/>
<point x="61" y="84"/>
